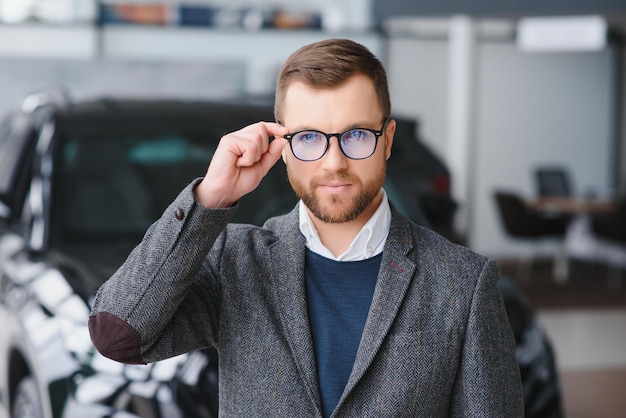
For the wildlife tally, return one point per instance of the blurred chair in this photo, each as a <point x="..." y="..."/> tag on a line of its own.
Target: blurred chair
<point x="611" y="225"/>
<point x="553" y="181"/>
<point x="524" y="224"/>
<point x="612" y="228"/>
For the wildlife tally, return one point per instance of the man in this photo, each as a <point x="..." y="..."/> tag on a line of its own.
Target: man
<point x="340" y="308"/>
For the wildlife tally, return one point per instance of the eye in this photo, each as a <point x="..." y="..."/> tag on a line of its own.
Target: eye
<point x="308" y="138"/>
<point x="356" y="135"/>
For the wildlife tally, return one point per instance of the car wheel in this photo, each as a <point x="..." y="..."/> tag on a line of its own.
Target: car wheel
<point x="27" y="403"/>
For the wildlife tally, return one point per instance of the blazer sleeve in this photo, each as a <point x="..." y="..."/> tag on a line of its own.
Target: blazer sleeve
<point x="161" y="301"/>
<point x="488" y="382"/>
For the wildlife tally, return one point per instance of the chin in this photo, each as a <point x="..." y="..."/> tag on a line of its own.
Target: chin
<point x="336" y="209"/>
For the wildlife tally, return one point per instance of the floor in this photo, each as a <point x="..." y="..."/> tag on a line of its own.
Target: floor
<point x="585" y="319"/>
<point x="590" y="345"/>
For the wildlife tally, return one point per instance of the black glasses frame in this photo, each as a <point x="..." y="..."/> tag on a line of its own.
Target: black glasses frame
<point x="377" y="134"/>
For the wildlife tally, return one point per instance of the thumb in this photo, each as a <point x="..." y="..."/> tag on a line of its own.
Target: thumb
<point x="273" y="153"/>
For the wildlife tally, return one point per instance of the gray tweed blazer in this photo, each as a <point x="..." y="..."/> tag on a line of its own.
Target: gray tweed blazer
<point x="436" y="342"/>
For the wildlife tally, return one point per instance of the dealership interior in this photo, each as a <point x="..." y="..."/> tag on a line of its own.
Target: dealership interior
<point x="524" y="103"/>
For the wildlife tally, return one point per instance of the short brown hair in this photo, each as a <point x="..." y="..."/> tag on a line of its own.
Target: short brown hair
<point x="327" y="64"/>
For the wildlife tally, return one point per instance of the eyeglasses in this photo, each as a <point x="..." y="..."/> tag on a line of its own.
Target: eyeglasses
<point x="355" y="143"/>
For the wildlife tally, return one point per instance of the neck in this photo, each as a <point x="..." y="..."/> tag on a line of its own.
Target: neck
<point x="337" y="237"/>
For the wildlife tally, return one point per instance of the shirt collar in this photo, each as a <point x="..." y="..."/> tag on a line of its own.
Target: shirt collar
<point x="369" y="242"/>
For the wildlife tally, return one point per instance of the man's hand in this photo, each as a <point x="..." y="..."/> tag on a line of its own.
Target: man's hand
<point x="241" y="160"/>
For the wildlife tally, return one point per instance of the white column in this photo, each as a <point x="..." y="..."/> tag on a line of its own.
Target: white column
<point x="621" y="122"/>
<point x="461" y="77"/>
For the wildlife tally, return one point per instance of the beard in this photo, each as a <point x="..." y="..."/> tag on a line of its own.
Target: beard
<point x="338" y="208"/>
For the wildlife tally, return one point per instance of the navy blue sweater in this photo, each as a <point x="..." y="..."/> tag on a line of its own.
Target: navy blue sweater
<point x="339" y="295"/>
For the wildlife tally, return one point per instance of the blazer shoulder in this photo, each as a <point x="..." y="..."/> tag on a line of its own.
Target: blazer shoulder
<point x="271" y="231"/>
<point x="286" y="223"/>
<point x="427" y="247"/>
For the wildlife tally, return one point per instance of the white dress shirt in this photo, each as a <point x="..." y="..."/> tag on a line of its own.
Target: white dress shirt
<point x="369" y="242"/>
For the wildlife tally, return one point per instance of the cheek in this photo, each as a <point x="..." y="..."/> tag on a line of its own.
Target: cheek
<point x="297" y="170"/>
<point x="376" y="164"/>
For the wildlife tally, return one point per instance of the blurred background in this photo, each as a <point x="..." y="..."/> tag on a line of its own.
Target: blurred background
<point x="525" y="102"/>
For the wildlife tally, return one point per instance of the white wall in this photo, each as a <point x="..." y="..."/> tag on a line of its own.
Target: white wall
<point x="530" y="109"/>
<point x="538" y="109"/>
<point x="418" y="80"/>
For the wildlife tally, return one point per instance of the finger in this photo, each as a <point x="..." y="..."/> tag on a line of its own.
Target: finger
<point x="273" y="153"/>
<point x="248" y="153"/>
<point x="257" y="144"/>
<point x="275" y="129"/>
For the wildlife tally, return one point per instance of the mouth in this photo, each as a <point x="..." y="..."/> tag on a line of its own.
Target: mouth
<point x="335" y="184"/>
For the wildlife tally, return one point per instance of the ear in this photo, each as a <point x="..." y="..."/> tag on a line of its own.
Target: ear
<point x="284" y="154"/>
<point x="390" y="130"/>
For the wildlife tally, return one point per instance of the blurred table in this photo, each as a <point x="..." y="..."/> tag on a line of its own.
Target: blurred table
<point x="579" y="241"/>
<point x="571" y="206"/>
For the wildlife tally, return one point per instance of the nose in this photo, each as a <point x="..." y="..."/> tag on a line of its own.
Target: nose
<point x="334" y="159"/>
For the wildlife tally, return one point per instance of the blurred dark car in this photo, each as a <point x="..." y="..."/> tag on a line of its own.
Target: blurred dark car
<point x="79" y="185"/>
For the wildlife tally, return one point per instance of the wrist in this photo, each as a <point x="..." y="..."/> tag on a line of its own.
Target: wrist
<point x="209" y="198"/>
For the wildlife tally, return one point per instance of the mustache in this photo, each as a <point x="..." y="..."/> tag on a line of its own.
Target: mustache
<point x="334" y="178"/>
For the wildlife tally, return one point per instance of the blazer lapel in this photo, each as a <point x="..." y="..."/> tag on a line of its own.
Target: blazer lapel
<point x="394" y="277"/>
<point x="287" y="260"/>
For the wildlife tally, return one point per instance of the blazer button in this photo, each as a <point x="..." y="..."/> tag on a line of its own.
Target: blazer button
<point x="180" y="214"/>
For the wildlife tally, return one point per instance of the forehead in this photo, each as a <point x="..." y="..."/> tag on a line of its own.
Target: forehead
<point x="354" y="101"/>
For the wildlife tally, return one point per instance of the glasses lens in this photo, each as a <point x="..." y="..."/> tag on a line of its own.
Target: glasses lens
<point x="308" y="145"/>
<point x="358" y="143"/>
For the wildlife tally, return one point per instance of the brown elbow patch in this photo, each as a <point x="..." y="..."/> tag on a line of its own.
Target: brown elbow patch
<point x="114" y="338"/>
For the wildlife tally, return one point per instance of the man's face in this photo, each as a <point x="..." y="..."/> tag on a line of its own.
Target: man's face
<point x="336" y="188"/>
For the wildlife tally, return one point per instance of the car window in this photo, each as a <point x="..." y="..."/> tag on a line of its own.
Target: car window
<point x="115" y="184"/>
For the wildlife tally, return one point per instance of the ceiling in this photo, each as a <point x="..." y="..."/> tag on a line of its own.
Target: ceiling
<point x="613" y="10"/>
